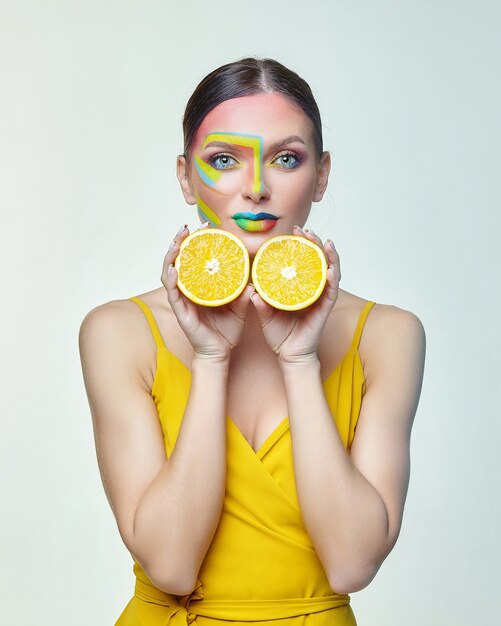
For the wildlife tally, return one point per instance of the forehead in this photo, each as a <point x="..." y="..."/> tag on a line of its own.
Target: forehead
<point x="269" y="115"/>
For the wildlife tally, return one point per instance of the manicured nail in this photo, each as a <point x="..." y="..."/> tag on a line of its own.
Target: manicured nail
<point x="299" y="228"/>
<point x="170" y="268"/>
<point x="181" y="230"/>
<point x="308" y="230"/>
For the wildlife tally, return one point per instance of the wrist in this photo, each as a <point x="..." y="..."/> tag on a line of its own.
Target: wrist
<point x="300" y="366"/>
<point x="212" y="360"/>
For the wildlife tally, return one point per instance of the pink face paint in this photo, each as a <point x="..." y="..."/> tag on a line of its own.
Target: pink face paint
<point x="210" y="175"/>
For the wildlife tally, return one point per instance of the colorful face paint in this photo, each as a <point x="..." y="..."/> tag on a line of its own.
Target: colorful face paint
<point x="254" y="142"/>
<point x="207" y="214"/>
<point x="211" y="175"/>
<point x="261" y="143"/>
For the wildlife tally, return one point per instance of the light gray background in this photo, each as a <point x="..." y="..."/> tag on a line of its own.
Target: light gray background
<point x="91" y="105"/>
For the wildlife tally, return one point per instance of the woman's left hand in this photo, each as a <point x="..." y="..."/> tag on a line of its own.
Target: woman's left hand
<point x="294" y="335"/>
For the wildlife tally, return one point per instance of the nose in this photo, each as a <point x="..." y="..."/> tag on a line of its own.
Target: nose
<point x="256" y="190"/>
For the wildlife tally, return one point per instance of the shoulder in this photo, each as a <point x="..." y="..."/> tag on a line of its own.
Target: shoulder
<point x="108" y="320"/>
<point x="393" y="337"/>
<point x="390" y="333"/>
<point x="122" y="316"/>
<point x="119" y="328"/>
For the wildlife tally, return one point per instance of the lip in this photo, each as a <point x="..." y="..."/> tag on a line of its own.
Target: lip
<point x="255" y="222"/>
<point x="247" y="215"/>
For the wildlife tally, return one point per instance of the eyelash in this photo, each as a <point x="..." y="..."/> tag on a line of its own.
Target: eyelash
<point x="294" y="155"/>
<point x="213" y="159"/>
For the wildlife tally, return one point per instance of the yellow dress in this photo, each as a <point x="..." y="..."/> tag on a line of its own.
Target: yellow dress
<point x="261" y="564"/>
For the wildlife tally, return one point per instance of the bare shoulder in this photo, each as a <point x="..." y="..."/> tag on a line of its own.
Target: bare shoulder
<point x="116" y="319"/>
<point x="391" y="335"/>
<point x="121" y="327"/>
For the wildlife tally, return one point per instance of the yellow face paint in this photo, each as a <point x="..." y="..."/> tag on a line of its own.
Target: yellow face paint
<point x="205" y="213"/>
<point x="255" y="142"/>
<point x="210" y="175"/>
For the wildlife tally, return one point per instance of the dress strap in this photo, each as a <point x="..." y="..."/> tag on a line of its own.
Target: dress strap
<point x="151" y="321"/>
<point x="361" y="323"/>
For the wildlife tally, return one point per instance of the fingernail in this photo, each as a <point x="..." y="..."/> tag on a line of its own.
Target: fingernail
<point x="299" y="228"/>
<point x="170" y="268"/>
<point x="172" y="243"/>
<point x="181" y="230"/>
<point x="312" y="232"/>
<point x="205" y="224"/>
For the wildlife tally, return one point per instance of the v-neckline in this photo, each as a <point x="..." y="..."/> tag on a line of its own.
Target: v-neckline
<point x="283" y="425"/>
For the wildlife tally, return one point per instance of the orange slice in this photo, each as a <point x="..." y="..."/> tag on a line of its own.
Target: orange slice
<point x="212" y="266"/>
<point x="289" y="272"/>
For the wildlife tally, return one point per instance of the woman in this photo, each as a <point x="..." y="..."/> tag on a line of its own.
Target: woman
<point x="230" y="510"/>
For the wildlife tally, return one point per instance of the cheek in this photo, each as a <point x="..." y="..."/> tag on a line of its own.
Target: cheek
<point x="228" y="183"/>
<point x="295" y="189"/>
<point x="212" y="201"/>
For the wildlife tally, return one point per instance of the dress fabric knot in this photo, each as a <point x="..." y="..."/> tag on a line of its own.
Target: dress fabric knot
<point x="185" y="601"/>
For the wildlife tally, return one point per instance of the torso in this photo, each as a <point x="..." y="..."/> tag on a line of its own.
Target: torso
<point x="252" y="360"/>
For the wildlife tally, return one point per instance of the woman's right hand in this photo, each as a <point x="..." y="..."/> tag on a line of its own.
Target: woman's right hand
<point x="212" y="331"/>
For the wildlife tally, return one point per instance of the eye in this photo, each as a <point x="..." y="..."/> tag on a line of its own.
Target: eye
<point x="289" y="160"/>
<point x="222" y="162"/>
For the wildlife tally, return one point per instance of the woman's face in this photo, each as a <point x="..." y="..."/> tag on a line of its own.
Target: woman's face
<point x="254" y="157"/>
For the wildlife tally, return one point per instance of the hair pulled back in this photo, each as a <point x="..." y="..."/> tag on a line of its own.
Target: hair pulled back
<point x="248" y="77"/>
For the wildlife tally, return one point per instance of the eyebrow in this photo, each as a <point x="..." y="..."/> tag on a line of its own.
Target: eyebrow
<point x="272" y="148"/>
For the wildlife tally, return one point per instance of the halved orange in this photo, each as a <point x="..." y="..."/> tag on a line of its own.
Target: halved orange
<point x="212" y="266"/>
<point x="289" y="272"/>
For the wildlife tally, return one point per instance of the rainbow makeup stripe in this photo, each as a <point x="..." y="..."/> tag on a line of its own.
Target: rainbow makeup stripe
<point x="207" y="214"/>
<point x="210" y="175"/>
<point x="255" y="142"/>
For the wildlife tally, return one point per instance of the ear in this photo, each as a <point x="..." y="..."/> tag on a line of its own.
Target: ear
<point x="323" y="177"/>
<point x="184" y="180"/>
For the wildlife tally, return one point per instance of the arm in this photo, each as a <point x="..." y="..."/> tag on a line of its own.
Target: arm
<point x="352" y="505"/>
<point x="167" y="510"/>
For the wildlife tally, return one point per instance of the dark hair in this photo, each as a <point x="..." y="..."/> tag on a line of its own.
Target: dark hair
<point x="247" y="77"/>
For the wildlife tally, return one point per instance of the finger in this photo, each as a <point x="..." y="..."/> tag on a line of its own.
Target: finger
<point x="240" y="304"/>
<point x="312" y="236"/>
<point x="204" y="225"/>
<point x="171" y="255"/>
<point x="330" y="251"/>
<point x="175" y="297"/>
<point x="173" y="249"/>
<point x="331" y="288"/>
<point x="330" y="293"/>
<point x="333" y="257"/>
<point x="264" y="311"/>
<point x="181" y="234"/>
